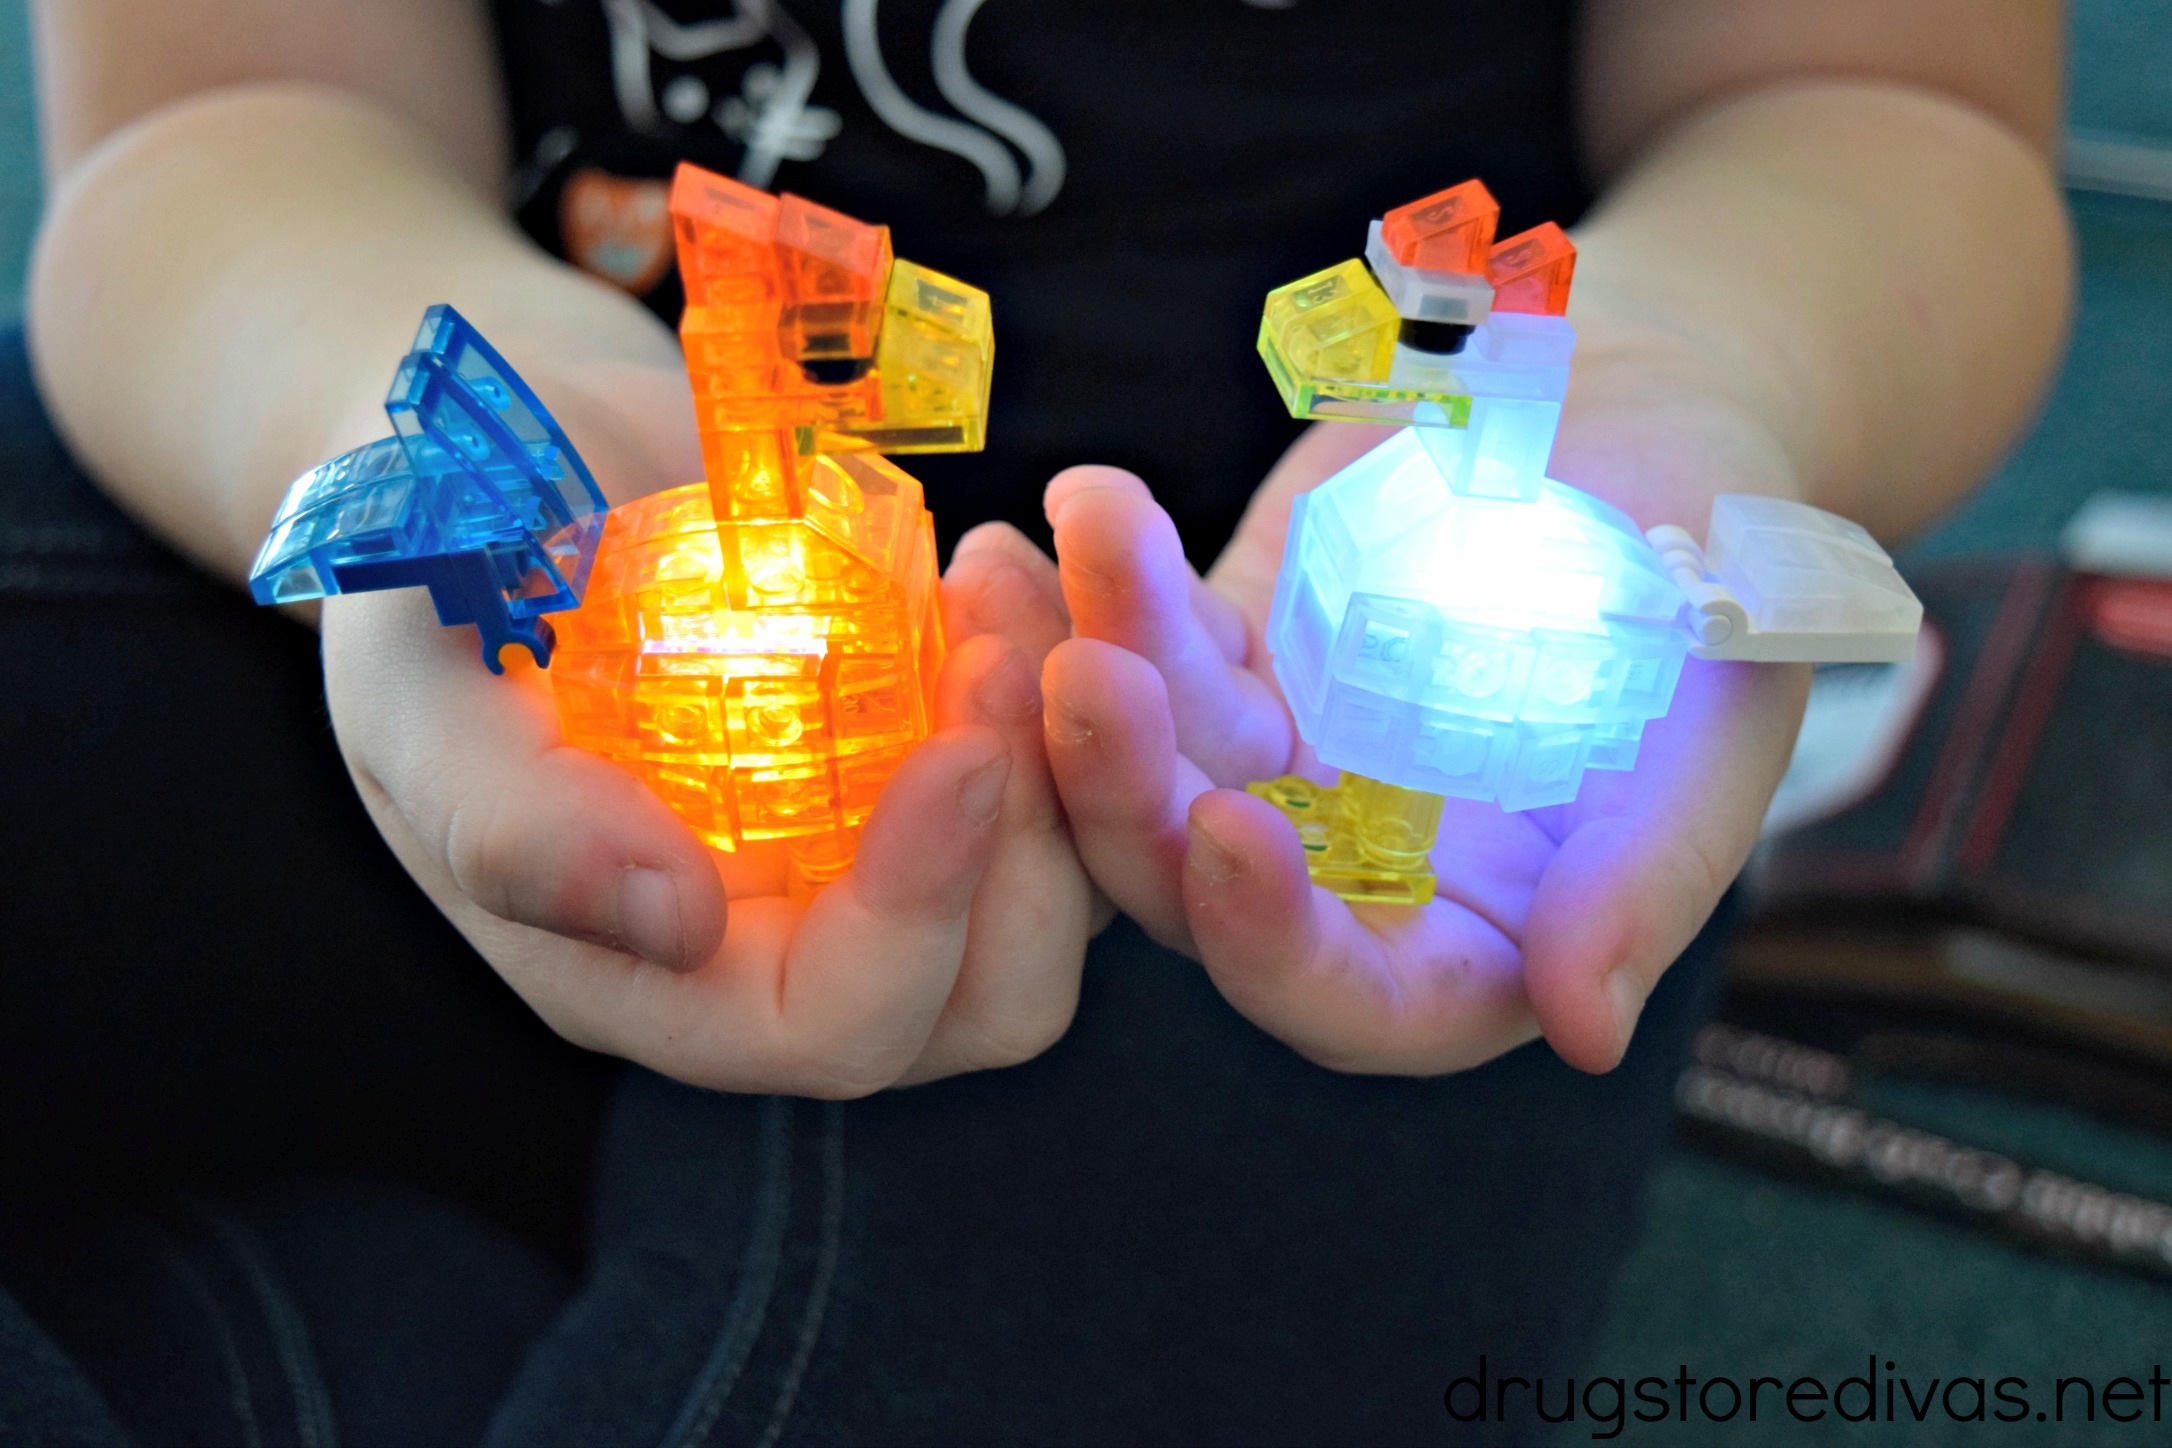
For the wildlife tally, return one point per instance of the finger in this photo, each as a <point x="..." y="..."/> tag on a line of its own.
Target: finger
<point x="469" y="778"/>
<point x="877" y="954"/>
<point x="1125" y="788"/>
<point x="1376" y="988"/>
<point x="833" y="999"/>
<point x="1647" y="855"/>
<point x="1221" y="618"/>
<point x="1127" y="583"/>
<point x="999" y="583"/>
<point x="1088" y="475"/>
<point x="1248" y="567"/>
<point x="1224" y="622"/>
<point x="1017" y="988"/>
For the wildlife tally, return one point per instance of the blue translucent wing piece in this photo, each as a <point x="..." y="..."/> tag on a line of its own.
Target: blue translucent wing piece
<point x="479" y="498"/>
<point x="455" y="392"/>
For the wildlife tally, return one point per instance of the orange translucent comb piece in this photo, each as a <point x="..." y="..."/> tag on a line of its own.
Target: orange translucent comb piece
<point x="726" y="232"/>
<point x="1530" y="271"/>
<point x="1448" y="231"/>
<point x="835" y="271"/>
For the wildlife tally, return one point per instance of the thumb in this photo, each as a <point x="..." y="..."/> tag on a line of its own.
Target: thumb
<point x="1647" y="855"/>
<point x="469" y="778"/>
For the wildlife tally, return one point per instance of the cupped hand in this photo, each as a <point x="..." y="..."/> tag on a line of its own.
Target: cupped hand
<point x="953" y="943"/>
<point x="1557" y="921"/>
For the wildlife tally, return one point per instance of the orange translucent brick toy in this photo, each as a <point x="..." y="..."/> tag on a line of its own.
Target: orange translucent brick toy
<point x="1447" y="231"/>
<point x="1530" y="272"/>
<point x="761" y="647"/>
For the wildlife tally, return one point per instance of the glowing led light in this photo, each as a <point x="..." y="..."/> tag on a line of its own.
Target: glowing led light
<point x="733" y="636"/>
<point x="761" y="647"/>
<point x="1465" y="645"/>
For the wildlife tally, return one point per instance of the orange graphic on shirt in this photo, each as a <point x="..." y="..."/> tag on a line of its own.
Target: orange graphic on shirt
<point x="616" y="227"/>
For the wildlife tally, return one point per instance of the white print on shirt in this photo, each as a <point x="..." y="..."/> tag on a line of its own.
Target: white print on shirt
<point x="771" y="118"/>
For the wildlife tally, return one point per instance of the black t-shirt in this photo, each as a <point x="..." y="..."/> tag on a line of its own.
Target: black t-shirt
<point x="1127" y="179"/>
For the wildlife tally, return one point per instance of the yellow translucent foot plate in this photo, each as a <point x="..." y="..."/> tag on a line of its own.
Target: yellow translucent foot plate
<point x="1328" y="820"/>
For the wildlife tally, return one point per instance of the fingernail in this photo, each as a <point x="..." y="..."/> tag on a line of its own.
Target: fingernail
<point x="980" y="794"/>
<point x="1008" y="691"/>
<point x="1215" y="861"/>
<point x="1626" y="994"/>
<point x="1056" y="513"/>
<point x="1067" y="723"/>
<point x="648" y="917"/>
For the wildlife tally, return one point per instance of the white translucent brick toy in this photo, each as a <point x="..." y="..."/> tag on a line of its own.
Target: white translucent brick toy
<point x="1449" y="622"/>
<point x="1779" y="581"/>
<point x="1481" y="647"/>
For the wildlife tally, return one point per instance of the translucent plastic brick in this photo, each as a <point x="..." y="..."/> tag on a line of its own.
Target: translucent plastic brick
<point x="1335" y="323"/>
<point x="1329" y="342"/>
<point x="1450" y="642"/>
<point x="1815" y="585"/>
<point x="478" y="497"/>
<point x="1363" y="839"/>
<point x="800" y="319"/>
<point x="1448" y="231"/>
<point x="835" y="272"/>
<point x="726" y="231"/>
<point x="1452" y="297"/>
<point x="933" y="365"/>
<point x="1449" y="622"/>
<point x="727" y="235"/>
<point x="761" y="645"/>
<point x="765" y="680"/>
<point x="1531" y="271"/>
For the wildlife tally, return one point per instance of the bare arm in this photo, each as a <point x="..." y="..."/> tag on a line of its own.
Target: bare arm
<point x="1837" y="220"/>
<point x="1831" y="263"/>
<point x="252" y="203"/>
<point x="105" y="63"/>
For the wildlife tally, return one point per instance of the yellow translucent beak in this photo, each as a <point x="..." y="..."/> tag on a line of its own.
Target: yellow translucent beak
<point x="933" y="358"/>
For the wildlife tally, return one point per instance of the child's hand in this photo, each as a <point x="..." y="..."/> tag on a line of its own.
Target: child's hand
<point x="1558" y="920"/>
<point x="954" y="943"/>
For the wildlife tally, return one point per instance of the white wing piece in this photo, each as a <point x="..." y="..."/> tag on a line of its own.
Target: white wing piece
<point x="1780" y="582"/>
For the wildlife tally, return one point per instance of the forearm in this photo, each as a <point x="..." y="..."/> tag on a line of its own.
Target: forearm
<point x="1850" y="292"/>
<point x="220" y="292"/>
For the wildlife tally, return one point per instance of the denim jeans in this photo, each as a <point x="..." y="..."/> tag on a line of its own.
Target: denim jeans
<point x="281" y="1161"/>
